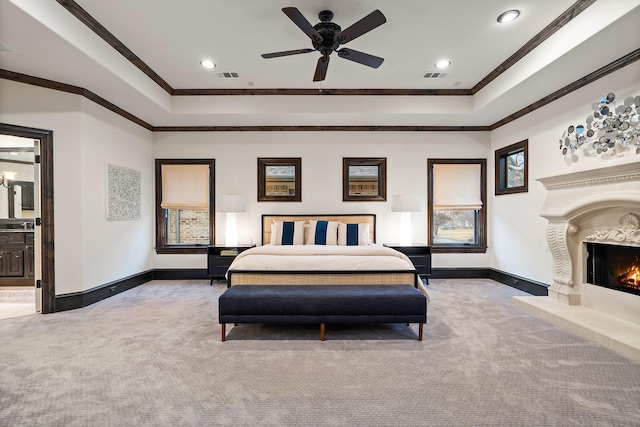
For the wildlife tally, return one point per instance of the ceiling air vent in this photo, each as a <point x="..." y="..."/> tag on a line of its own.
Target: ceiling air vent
<point x="227" y="75"/>
<point x="435" y="75"/>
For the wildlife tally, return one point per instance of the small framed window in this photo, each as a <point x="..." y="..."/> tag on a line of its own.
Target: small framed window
<point x="457" y="205"/>
<point x="364" y="179"/>
<point x="279" y="179"/>
<point x="512" y="169"/>
<point x="185" y="208"/>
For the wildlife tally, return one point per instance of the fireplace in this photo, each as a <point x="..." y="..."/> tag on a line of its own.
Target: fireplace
<point x="614" y="267"/>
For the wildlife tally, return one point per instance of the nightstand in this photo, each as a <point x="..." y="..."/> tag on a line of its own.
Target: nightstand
<point x="219" y="259"/>
<point x="420" y="256"/>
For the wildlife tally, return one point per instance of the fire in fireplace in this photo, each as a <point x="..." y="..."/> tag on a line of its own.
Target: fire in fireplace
<point x="614" y="266"/>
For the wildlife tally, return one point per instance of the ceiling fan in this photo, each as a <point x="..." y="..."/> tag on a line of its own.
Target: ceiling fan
<point x="327" y="36"/>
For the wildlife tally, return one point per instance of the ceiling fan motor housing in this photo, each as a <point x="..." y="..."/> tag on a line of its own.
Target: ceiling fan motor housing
<point x="327" y="30"/>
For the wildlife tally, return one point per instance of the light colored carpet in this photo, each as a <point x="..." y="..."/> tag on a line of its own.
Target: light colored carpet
<point x="152" y="356"/>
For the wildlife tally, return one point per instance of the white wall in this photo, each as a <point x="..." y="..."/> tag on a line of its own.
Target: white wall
<point x="518" y="232"/>
<point x="89" y="250"/>
<point x="236" y="156"/>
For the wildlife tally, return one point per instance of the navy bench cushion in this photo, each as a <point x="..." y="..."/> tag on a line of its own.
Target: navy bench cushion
<point x="321" y="300"/>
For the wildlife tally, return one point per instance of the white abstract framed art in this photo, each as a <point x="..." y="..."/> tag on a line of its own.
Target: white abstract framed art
<point x="123" y="193"/>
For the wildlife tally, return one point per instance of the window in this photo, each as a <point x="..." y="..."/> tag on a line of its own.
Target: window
<point x="512" y="168"/>
<point x="184" y="205"/>
<point x="457" y="205"/>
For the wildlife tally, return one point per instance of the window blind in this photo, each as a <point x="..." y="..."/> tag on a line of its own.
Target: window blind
<point x="185" y="186"/>
<point x="456" y="186"/>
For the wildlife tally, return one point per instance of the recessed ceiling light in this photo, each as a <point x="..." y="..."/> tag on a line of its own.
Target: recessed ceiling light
<point x="508" y="16"/>
<point x="207" y="63"/>
<point x="443" y="63"/>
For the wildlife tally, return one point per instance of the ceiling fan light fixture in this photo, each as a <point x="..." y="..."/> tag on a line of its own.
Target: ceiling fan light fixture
<point x="508" y="16"/>
<point x="443" y="63"/>
<point x="208" y="64"/>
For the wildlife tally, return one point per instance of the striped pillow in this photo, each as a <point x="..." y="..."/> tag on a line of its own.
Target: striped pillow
<point x="353" y="234"/>
<point x="288" y="233"/>
<point x="322" y="233"/>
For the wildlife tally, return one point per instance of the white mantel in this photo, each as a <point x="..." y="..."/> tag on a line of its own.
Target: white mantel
<point x="583" y="201"/>
<point x="578" y="202"/>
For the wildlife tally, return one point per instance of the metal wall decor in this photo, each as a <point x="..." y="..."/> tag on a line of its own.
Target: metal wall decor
<point x="610" y="131"/>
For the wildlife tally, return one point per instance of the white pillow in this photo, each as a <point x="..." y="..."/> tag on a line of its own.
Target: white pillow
<point x="354" y="234"/>
<point x="288" y="233"/>
<point x="324" y="234"/>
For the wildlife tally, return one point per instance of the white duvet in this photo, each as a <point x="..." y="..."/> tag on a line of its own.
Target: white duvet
<point x="323" y="257"/>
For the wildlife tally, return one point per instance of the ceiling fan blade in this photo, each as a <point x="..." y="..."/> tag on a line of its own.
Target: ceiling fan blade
<point x="286" y="53"/>
<point x="366" y="24"/>
<point x="360" y="57"/>
<point x="321" y="69"/>
<point x="298" y="18"/>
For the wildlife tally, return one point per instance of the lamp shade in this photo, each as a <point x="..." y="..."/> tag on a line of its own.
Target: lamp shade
<point x="405" y="203"/>
<point x="232" y="203"/>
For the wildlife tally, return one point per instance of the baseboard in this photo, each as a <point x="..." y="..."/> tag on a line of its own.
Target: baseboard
<point x="82" y="299"/>
<point x="91" y="296"/>
<point x="526" y="285"/>
<point x="459" y="273"/>
<point x="180" y="274"/>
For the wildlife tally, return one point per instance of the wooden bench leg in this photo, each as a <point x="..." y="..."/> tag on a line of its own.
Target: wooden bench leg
<point x="224" y="331"/>
<point x="420" y="328"/>
<point x="321" y="331"/>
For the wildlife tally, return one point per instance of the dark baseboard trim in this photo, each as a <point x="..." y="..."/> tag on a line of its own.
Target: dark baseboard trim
<point x="91" y="296"/>
<point x="180" y="274"/>
<point x="529" y="286"/>
<point x="82" y="299"/>
<point x="459" y="273"/>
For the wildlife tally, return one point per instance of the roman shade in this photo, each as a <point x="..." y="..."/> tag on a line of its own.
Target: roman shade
<point x="185" y="186"/>
<point x="456" y="186"/>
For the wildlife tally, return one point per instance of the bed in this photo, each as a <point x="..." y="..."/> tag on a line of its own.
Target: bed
<point x="300" y="261"/>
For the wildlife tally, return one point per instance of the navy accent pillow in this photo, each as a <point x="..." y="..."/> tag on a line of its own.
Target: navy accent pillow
<point x="288" y="227"/>
<point x="352" y="234"/>
<point x="321" y="233"/>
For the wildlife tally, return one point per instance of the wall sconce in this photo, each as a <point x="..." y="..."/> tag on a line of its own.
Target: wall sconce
<point x="405" y="204"/>
<point x="7" y="176"/>
<point x="231" y="204"/>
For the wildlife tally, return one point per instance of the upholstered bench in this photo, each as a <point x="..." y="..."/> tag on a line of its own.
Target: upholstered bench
<point x="322" y="304"/>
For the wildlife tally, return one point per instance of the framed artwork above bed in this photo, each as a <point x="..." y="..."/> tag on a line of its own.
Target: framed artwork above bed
<point x="364" y="179"/>
<point x="279" y="179"/>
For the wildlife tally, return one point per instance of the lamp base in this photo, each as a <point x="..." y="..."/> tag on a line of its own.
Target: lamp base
<point x="231" y="235"/>
<point x="405" y="229"/>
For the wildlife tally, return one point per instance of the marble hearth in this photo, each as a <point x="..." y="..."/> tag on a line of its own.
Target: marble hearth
<point x="591" y="205"/>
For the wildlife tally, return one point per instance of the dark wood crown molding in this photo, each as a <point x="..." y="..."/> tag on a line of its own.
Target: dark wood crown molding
<point x="88" y="20"/>
<point x="63" y="87"/>
<point x="320" y="128"/>
<point x="335" y="92"/>
<point x="562" y="20"/>
<point x="589" y="78"/>
<point x="82" y="15"/>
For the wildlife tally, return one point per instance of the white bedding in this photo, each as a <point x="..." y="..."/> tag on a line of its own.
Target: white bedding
<point x="323" y="257"/>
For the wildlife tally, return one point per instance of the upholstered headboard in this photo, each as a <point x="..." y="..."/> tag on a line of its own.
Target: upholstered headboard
<point x="370" y="219"/>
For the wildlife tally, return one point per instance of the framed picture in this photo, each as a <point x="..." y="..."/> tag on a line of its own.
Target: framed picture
<point x="279" y="179"/>
<point x="364" y="179"/>
<point x="512" y="169"/>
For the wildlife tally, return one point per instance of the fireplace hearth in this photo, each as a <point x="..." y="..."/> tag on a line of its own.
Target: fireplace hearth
<point x="614" y="267"/>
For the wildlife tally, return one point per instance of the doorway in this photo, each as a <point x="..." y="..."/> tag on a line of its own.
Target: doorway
<point x="43" y="223"/>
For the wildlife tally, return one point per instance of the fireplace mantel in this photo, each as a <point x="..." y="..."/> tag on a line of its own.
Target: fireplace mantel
<point x="585" y="201"/>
